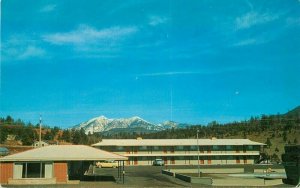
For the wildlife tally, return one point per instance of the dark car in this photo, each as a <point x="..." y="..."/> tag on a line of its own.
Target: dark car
<point x="158" y="162"/>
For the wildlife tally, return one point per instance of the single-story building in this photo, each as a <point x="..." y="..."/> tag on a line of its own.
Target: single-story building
<point x="57" y="164"/>
<point x="44" y="143"/>
<point x="37" y="144"/>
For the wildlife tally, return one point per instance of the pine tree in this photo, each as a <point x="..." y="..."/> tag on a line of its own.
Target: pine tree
<point x="284" y="136"/>
<point x="3" y="134"/>
<point x="268" y="142"/>
<point x="66" y="136"/>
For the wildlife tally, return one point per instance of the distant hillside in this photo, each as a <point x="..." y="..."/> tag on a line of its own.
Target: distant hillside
<point x="294" y="113"/>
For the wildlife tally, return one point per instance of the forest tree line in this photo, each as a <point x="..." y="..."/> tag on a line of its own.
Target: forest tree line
<point x="278" y="125"/>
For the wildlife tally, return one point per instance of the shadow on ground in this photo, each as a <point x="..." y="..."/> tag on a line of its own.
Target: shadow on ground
<point x="99" y="178"/>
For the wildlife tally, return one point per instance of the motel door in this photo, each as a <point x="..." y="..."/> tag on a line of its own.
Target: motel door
<point x="166" y="160"/>
<point x="244" y="149"/>
<point x="245" y="160"/>
<point x="238" y="160"/>
<point x="128" y="150"/>
<point x="208" y="149"/>
<point x="135" y="161"/>
<point x="201" y="161"/>
<point x="172" y="149"/>
<point x="164" y="149"/>
<point x="172" y="160"/>
<point x="208" y="160"/>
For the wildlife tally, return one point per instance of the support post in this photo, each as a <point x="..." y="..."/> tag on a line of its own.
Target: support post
<point x="40" y="135"/>
<point x="123" y="172"/>
<point x="198" y="153"/>
<point x="118" y="169"/>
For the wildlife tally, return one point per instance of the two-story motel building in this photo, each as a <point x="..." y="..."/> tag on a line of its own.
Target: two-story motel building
<point x="184" y="151"/>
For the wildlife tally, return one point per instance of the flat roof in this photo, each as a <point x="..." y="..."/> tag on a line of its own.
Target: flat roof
<point x="175" y="142"/>
<point x="64" y="153"/>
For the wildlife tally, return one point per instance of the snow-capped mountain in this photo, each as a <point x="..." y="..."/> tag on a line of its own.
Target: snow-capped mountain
<point x="172" y="124"/>
<point x="97" y="124"/>
<point x="133" y="122"/>
<point x="103" y="124"/>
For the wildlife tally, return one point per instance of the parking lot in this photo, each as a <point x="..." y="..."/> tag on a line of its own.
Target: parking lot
<point x="138" y="176"/>
<point x="135" y="176"/>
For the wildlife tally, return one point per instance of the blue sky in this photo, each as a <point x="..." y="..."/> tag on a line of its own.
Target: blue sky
<point x="187" y="61"/>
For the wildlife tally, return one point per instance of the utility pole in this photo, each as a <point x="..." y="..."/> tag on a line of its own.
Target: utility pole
<point x="198" y="153"/>
<point x="93" y="134"/>
<point x="40" y="136"/>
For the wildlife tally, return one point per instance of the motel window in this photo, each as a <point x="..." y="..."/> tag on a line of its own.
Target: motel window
<point x="180" y="148"/>
<point x="250" y="148"/>
<point x="33" y="170"/>
<point x="194" y="148"/>
<point x="179" y="158"/>
<point x="157" y="148"/>
<point x="187" y="148"/>
<point x="108" y="148"/>
<point x="222" y="148"/>
<point x="120" y="148"/>
<point x="238" y="148"/>
<point x="187" y="158"/>
<point x="202" y="149"/>
<point x="228" y="148"/>
<point x="142" y="158"/>
<point x="143" y="148"/>
<point x="215" y="148"/>
<point x="209" y="148"/>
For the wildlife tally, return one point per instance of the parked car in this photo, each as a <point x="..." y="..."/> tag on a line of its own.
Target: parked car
<point x="107" y="164"/>
<point x="158" y="162"/>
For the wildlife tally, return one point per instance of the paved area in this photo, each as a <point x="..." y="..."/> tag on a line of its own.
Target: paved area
<point x="140" y="176"/>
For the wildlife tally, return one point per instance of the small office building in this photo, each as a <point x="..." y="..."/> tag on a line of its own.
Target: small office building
<point x="51" y="164"/>
<point x="184" y="151"/>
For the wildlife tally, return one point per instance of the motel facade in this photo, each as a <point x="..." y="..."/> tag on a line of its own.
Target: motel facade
<point x="184" y="151"/>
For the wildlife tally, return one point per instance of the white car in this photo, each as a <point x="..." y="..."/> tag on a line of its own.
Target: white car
<point x="107" y="164"/>
<point x="158" y="162"/>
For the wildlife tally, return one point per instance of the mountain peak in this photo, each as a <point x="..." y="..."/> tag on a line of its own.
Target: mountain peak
<point x="103" y="124"/>
<point x="102" y="117"/>
<point x="136" y="117"/>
